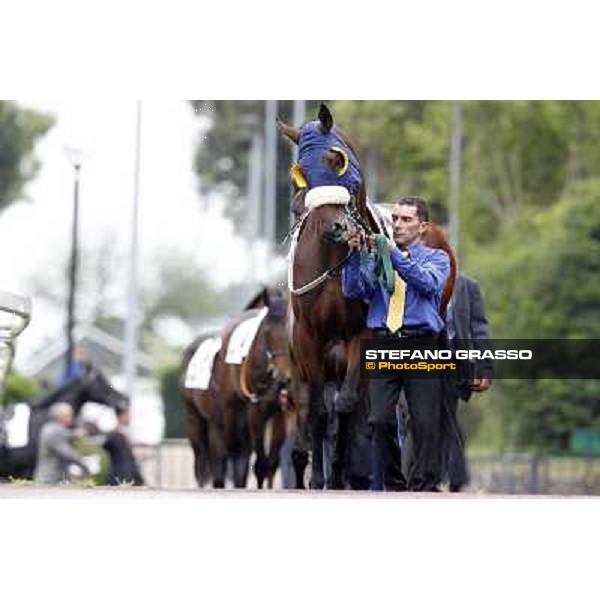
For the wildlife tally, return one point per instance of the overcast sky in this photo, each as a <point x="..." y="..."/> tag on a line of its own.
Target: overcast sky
<point x="36" y="233"/>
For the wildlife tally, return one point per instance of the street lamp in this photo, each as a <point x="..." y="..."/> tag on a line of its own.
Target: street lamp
<point x="76" y="157"/>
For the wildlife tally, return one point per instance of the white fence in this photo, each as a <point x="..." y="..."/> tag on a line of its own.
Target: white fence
<point x="168" y="466"/>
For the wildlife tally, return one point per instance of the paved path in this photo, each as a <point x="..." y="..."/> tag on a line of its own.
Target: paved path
<point x="64" y="492"/>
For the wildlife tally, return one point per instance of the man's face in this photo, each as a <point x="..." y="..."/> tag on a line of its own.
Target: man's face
<point x="67" y="419"/>
<point x="123" y="418"/>
<point x="407" y="227"/>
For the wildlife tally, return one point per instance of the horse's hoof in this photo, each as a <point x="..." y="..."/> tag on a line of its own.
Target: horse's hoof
<point x="317" y="483"/>
<point x="337" y="483"/>
<point x="299" y="459"/>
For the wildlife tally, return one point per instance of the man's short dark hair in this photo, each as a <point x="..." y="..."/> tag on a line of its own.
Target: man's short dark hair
<point x="419" y="203"/>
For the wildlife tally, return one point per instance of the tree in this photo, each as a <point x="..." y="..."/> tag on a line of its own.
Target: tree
<point x="409" y="141"/>
<point x="100" y="290"/>
<point x="180" y="289"/>
<point x="543" y="281"/>
<point x="530" y="226"/>
<point x="222" y="155"/>
<point x="516" y="154"/>
<point x="20" y="129"/>
<point x="173" y="285"/>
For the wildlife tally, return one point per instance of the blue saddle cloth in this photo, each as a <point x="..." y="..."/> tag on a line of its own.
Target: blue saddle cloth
<point x="311" y="146"/>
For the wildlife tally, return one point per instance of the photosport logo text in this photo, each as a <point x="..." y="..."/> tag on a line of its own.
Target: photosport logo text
<point x="510" y="359"/>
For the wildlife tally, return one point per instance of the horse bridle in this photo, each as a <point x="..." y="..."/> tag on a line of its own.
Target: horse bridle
<point x="271" y="368"/>
<point x="351" y="211"/>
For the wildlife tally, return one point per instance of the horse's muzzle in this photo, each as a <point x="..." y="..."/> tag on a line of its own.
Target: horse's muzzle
<point x="336" y="232"/>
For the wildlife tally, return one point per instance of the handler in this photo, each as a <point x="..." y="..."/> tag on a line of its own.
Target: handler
<point x="468" y="328"/>
<point x="55" y="452"/>
<point x="412" y="311"/>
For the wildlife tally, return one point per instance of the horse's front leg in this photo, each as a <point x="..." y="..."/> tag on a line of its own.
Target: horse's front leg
<point x="278" y="436"/>
<point x="218" y="454"/>
<point x="346" y="402"/>
<point x="256" y="422"/>
<point x="299" y="432"/>
<point x="318" y="428"/>
<point x="330" y="434"/>
<point x="241" y="460"/>
<point x="234" y="443"/>
<point x="348" y="395"/>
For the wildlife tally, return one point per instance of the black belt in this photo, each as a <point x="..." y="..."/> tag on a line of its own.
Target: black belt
<point x="406" y="332"/>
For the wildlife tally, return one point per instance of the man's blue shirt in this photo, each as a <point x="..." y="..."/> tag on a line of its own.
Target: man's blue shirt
<point x="425" y="271"/>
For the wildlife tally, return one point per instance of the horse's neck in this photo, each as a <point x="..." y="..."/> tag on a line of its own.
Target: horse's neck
<point x="257" y="362"/>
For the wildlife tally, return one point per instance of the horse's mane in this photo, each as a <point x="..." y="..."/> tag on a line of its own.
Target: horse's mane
<point x="263" y="298"/>
<point x="435" y="238"/>
<point x="277" y="309"/>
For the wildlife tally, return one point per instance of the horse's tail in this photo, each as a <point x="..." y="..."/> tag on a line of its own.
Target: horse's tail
<point x="436" y="238"/>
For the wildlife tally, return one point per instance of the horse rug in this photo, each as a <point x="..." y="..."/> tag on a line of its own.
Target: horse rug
<point x="197" y="375"/>
<point x="242" y="337"/>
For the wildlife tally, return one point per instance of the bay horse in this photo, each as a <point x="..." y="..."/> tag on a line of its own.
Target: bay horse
<point x="200" y="409"/>
<point x="228" y="419"/>
<point x="89" y="386"/>
<point x="320" y="315"/>
<point x="256" y="392"/>
<point x="201" y="405"/>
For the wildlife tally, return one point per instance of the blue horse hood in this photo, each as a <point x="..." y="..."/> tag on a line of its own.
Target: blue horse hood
<point x="311" y="146"/>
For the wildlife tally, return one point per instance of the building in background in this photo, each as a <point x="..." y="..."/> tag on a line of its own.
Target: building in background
<point x="106" y="352"/>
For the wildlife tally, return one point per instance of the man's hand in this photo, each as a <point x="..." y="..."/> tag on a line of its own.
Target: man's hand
<point x="481" y="385"/>
<point x="355" y="242"/>
<point x="372" y="243"/>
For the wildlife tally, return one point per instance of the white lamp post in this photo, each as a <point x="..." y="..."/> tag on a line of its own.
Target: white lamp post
<point x="76" y="157"/>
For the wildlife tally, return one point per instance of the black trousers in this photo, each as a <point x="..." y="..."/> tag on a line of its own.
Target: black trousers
<point x="455" y="462"/>
<point x="424" y="398"/>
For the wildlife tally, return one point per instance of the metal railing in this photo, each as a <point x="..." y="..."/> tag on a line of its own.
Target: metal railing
<point x="527" y="474"/>
<point x="171" y="466"/>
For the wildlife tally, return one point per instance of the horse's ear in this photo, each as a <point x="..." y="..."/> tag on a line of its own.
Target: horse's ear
<point x="265" y="296"/>
<point x="287" y="131"/>
<point x="326" y="118"/>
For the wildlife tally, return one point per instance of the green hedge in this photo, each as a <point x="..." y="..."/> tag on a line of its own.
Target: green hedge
<point x="20" y="389"/>
<point x="173" y="402"/>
